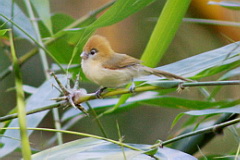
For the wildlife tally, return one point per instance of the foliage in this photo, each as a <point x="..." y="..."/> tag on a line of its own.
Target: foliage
<point x="62" y="38"/>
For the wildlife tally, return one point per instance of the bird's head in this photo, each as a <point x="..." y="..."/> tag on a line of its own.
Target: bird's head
<point x="97" y="48"/>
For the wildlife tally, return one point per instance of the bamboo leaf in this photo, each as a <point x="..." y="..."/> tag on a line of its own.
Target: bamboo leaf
<point x="204" y="64"/>
<point x="162" y="35"/>
<point x="176" y="119"/>
<point x="3" y="32"/>
<point x="63" y="47"/>
<point x="235" y="109"/>
<point x="18" y="17"/>
<point x="119" y="11"/>
<point x="39" y="99"/>
<point x="164" y="31"/>
<point x="42" y="8"/>
<point x="217" y="69"/>
<point x="89" y="148"/>
<point x="232" y="73"/>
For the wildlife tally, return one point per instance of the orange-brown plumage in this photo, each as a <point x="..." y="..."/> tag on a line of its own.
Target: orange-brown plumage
<point x="110" y="69"/>
<point x="100" y="43"/>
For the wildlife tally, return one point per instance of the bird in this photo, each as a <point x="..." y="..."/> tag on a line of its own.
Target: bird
<point x="109" y="69"/>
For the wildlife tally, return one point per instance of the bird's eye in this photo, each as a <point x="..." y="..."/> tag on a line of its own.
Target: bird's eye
<point x="93" y="51"/>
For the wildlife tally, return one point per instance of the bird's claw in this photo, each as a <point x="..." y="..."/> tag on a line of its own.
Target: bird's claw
<point x="99" y="92"/>
<point x="132" y="88"/>
<point x="180" y="87"/>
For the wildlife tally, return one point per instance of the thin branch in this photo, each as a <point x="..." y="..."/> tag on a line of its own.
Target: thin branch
<point x="160" y="86"/>
<point x="199" y="141"/>
<point x="211" y="22"/>
<point x="116" y="92"/>
<point x="86" y="135"/>
<point x="15" y="115"/>
<point x="99" y="123"/>
<point x="214" y="129"/>
<point x="77" y="133"/>
<point x="211" y="83"/>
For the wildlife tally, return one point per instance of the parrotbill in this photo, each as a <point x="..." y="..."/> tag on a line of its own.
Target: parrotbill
<point x="102" y="65"/>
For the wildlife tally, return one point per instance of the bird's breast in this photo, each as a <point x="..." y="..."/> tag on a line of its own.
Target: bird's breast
<point x="107" y="77"/>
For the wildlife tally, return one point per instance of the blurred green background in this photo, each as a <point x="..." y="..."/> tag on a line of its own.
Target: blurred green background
<point x="131" y="36"/>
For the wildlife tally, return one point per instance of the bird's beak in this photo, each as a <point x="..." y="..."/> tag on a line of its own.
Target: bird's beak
<point x="84" y="55"/>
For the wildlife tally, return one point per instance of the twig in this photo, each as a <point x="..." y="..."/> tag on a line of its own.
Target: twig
<point x="148" y="88"/>
<point x="15" y="115"/>
<point x="215" y="128"/>
<point x="199" y="141"/>
<point x="211" y="83"/>
<point x="86" y="135"/>
<point x="99" y="123"/>
<point x="116" y="92"/>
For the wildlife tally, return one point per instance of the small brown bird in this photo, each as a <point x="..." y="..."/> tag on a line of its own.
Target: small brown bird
<point x="107" y="68"/>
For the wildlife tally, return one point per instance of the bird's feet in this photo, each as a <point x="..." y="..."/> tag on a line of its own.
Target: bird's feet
<point x="132" y="88"/>
<point x="99" y="92"/>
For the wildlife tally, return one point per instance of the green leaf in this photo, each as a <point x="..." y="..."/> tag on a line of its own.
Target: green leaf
<point x="18" y="17"/>
<point x="175" y="102"/>
<point x="176" y="119"/>
<point x="89" y="148"/>
<point x="201" y="63"/>
<point x="39" y="99"/>
<point x="42" y="8"/>
<point x="164" y="31"/>
<point x="217" y="69"/>
<point x="226" y="4"/>
<point x="154" y="148"/>
<point x="232" y="73"/>
<point x="119" y="11"/>
<point x="59" y="22"/>
<point x="62" y="48"/>
<point x="29" y="89"/>
<point x="235" y="109"/>
<point x="3" y="32"/>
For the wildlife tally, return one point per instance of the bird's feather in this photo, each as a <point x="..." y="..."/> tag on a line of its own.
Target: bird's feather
<point x="120" y="61"/>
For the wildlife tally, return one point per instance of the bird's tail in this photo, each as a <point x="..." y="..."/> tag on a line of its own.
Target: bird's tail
<point x="160" y="73"/>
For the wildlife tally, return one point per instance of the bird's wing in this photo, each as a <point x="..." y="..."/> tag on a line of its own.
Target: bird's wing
<point x="120" y="61"/>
